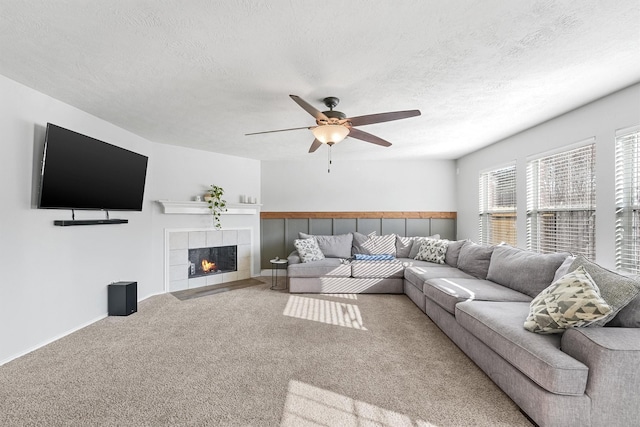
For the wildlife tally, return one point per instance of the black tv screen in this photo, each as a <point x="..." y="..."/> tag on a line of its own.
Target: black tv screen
<point x="80" y="172"/>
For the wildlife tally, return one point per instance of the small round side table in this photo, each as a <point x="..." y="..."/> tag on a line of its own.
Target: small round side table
<point x="277" y="265"/>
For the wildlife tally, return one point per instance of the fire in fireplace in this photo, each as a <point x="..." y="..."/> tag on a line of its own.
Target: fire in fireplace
<point x="217" y="260"/>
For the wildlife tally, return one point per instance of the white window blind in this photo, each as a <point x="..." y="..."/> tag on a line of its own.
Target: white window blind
<point x="498" y="206"/>
<point x="561" y="202"/>
<point x="628" y="201"/>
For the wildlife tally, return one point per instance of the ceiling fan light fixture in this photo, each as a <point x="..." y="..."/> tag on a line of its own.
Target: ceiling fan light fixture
<point x="330" y="134"/>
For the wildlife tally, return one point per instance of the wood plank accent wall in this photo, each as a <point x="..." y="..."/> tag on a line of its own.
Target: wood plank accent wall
<point x="389" y="214"/>
<point x="279" y="229"/>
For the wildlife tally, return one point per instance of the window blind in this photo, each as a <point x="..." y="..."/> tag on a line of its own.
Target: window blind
<point x="628" y="201"/>
<point x="497" y="190"/>
<point x="561" y="202"/>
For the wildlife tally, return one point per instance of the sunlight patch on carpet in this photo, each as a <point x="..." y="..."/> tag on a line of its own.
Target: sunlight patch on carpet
<point x="307" y="405"/>
<point x="329" y="312"/>
<point x="345" y="296"/>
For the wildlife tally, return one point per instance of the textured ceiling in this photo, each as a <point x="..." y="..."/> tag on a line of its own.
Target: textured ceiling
<point x="202" y="73"/>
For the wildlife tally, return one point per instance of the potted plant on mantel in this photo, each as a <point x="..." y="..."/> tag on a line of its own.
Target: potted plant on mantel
<point x="216" y="204"/>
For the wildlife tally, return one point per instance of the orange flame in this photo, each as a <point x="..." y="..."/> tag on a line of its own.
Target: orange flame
<point x="208" y="266"/>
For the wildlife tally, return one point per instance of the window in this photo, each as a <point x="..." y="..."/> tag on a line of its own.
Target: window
<point x="498" y="206"/>
<point x="628" y="200"/>
<point x="561" y="202"/>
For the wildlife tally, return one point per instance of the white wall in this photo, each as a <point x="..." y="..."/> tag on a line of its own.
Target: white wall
<point x="53" y="280"/>
<point x="393" y="185"/>
<point x="599" y="119"/>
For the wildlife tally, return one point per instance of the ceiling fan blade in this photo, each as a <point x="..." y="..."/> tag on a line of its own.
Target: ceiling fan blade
<point x="309" y="108"/>
<point x="279" y="130"/>
<point x="382" y="117"/>
<point x="314" y="145"/>
<point x="364" y="136"/>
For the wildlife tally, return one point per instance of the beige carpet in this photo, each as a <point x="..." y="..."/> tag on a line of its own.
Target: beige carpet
<point x="255" y="357"/>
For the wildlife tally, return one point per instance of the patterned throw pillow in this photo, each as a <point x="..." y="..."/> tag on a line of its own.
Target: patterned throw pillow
<point x="308" y="249"/>
<point x="572" y="301"/>
<point x="433" y="250"/>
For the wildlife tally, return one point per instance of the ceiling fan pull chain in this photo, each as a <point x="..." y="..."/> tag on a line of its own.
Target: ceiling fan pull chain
<point x="329" y="164"/>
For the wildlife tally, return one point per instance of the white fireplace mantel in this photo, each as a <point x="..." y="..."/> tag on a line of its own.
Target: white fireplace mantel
<point x="201" y="208"/>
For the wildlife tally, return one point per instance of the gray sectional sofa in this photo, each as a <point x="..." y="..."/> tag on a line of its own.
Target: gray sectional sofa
<point x="480" y="297"/>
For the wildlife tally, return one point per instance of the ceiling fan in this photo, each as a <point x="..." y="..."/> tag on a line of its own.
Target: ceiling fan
<point x="334" y="126"/>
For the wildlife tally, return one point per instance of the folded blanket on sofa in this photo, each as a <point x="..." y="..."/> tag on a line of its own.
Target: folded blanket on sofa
<point x="367" y="257"/>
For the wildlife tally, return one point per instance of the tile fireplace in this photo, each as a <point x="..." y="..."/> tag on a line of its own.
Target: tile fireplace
<point x="202" y="257"/>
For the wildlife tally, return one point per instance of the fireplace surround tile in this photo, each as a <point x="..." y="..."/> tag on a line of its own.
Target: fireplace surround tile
<point x="214" y="238"/>
<point x="179" y="240"/>
<point x="178" y="272"/>
<point x="197" y="239"/>
<point x="216" y="279"/>
<point x="244" y="237"/>
<point x="244" y="263"/>
<point x="179" y="257"/>
<point x="197" y="282"/>
<point x="179" y="285"/>
<point x="244" y="251"/>
<point x="229" y="237"/>
<point x="229" y="277"/>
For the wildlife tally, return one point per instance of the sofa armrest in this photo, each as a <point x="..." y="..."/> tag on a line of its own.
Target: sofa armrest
<point x="613" y="358"/>
<point x="294" y="258"/>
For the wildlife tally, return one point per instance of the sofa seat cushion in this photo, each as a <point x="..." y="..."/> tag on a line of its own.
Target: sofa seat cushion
<point x="418" y="274"/>
<point x="499" y="326"/>
<point x="334" y="267"/>
<point x="388" y="268"/>
<point x="449" y="292"/>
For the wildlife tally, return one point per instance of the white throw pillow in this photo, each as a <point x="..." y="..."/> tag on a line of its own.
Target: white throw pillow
<point x="572" y="301"/>
<point x="432" y="250"/>
<point x="308" y="249"/>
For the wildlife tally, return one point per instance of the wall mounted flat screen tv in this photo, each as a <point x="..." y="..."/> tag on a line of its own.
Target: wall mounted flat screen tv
<point x="80" y="172"/>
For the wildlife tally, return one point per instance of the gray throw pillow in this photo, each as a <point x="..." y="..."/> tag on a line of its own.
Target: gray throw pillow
<point x="338" y="246"/>
<point x="374" y="245"/>
<point x="417" y="241"/>
<point x="564" y="267"/>
<point x="524" y="271"/>
<point x="453" y="252"/>
<point x="616" y="290"/>
<point x="474" y="259"/>
<point x="403" y="246"/>
<point x="360" y="239"/>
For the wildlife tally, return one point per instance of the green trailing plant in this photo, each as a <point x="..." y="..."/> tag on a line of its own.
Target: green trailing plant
<point x="216" y="204"/>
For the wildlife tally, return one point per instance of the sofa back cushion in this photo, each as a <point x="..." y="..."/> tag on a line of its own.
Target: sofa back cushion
<point x="338" y="246"/>
<point x="474" y="259"/>
<point x="524" y="271"/>
<point x="453" y="252"/>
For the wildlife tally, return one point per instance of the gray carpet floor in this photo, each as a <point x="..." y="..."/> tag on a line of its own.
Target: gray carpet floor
<point x="255" y="357"/>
